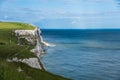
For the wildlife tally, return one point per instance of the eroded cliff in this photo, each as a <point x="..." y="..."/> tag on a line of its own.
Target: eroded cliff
<point x="33" y="37"/>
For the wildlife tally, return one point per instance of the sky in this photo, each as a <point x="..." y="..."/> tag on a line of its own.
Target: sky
<point x="63" y="14"/>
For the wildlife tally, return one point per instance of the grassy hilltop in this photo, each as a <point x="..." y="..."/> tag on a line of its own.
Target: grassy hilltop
<point x="10" y="49"/>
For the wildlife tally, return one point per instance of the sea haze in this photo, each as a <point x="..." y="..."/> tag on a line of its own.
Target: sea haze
<point x="83" y="54"/>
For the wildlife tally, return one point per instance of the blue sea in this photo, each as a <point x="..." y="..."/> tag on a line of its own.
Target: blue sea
<point x="83" y="54"/>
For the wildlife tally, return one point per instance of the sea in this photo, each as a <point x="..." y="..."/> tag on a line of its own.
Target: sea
<point x="83" y="54"/>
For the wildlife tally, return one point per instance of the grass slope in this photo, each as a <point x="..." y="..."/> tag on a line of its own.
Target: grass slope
<point x="10" y="49"/>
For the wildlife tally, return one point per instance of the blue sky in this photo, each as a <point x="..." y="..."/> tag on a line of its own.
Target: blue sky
<point x="63" y="14"/>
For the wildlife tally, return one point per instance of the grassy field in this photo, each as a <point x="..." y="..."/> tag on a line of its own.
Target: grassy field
<point x="10" y="49"/>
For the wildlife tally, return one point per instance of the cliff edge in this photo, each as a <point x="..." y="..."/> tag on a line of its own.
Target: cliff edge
<point x="21" y="45"/>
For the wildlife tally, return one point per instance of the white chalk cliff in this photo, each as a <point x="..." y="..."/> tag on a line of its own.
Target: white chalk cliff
<point x="33" y="37"/>
<point x="32" y="62"/>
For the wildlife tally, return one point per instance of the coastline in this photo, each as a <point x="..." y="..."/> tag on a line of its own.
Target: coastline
<point x="22" y="62"/>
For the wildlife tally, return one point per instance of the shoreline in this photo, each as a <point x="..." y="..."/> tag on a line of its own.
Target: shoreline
<point x="16" y="59"/>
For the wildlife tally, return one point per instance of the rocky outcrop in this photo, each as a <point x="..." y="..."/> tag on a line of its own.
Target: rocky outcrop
<point x="32" y="36"/>
<point x="32" y="62"/>
<point x="25" y="34"/>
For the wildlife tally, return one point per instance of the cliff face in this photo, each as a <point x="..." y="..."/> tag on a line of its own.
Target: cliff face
<point x="33" y="37"/>
<point x="17" y="62"/>
<point x="32" y="62"/>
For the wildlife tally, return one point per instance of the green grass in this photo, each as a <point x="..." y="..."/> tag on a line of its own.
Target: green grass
<point x="8" y="41"/>
<point x="10" y="49"/>
<point x="9" y="71"/>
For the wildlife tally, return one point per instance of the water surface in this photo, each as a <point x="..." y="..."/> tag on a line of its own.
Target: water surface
<point x="84" y="54"/>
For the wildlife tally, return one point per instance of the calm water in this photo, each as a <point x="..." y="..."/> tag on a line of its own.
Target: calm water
<point x="84" y="54"/>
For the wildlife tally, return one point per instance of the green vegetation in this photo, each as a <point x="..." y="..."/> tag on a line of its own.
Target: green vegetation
<point x="10" y="49"/>
<point x="8" y="41"/>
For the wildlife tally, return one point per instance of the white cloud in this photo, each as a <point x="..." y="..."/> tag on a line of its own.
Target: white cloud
<point x="5" y="17"/>
<point x="71" y="1"/>
<point x="76" y="1"/>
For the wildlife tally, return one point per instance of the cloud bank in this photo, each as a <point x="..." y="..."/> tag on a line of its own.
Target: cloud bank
<point x="60" y="13"/>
